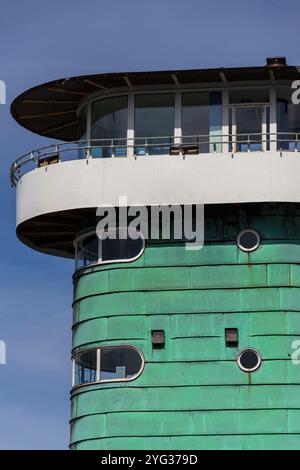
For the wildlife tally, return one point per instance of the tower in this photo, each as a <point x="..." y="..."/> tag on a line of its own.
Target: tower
<point x="174" y="348"/>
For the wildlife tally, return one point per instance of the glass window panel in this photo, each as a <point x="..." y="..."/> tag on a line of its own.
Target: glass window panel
<point x="230" y="127"/>
<point x="154" y="117"/>
<point x="119" y="363"/>
<point x="85" y="367"/>
<point x="268" y="128"/>
<point x="87" y="251"/>
<point x="109" y="123"/>
<point x="202" y="120"/>
<point x="249" y="128"/>
<point x="119" y="249"/>
<point x="258" y="95"/>
<point x="91" y="250"/>
<point x="288" y="120"/>
<point x="83" y="132"/>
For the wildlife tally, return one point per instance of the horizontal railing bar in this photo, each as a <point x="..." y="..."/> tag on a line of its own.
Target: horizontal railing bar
<point x="88" y="146"/>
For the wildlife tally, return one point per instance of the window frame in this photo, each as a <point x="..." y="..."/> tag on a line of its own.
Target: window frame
<point x="238" y="240"/>
<point x="112" y="261"/>
<point x="178" y="92"/>
<point x="253" y="369"/>
<point x="98" y="364"/>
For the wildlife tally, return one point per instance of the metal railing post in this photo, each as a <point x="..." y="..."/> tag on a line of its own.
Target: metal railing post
<point x="112" y="148"/>
<point x="146" y="147"/>
<point x="88" y="152"/>
<point x="248" y="144"/>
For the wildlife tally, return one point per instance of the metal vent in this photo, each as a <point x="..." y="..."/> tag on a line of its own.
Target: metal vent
<point x="158" y="338"/>
<point x="276" y="61"/>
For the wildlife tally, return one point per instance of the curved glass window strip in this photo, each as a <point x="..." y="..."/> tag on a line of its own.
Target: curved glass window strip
<point x="151" y="120"/>
<point x="109" y="124"/>
<point x="107" y="364"/>
<point x="154" y="121"/>
<point x="118" y="246"/>
<point x="202" y="116"/>
<point x="288" y="121"/>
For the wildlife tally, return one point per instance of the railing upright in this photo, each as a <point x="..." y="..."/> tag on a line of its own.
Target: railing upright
<point x="112" y="148"/>
<point x="88" y="150"/>
<point x="146" y="147"/>
<point x="57" y="151"/>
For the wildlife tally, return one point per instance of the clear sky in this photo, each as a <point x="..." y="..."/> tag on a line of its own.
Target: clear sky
<point x="46" y="40"/>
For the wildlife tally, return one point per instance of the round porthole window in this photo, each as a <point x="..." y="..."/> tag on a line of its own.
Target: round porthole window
<point x="248" y="240"/>
<point x="249" y="360"/>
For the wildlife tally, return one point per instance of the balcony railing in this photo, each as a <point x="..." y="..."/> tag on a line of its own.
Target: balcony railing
<point x="148" y="146"/>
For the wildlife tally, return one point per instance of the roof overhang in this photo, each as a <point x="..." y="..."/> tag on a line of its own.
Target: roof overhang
<point x="51" y="109"/>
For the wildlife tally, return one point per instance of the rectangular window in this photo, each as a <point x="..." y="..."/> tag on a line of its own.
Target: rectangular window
<point x="202" y="120"/>
<point x="154" y="123"/>
<point x="288" y="121"/>
<point x="249" y="128"/>
<point x="109" y="125"/>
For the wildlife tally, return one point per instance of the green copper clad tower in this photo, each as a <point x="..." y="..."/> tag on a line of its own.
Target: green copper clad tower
<point x="173" y="347"/>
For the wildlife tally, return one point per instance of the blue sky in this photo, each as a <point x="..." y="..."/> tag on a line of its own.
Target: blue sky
<point x="45" y="40"/>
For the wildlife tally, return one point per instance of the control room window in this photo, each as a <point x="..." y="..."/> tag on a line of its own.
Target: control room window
<point x="109" y="125"/>
<point x="202" y="120"/>
<point x="154" y="123"/>
<point x="288" y="121"/>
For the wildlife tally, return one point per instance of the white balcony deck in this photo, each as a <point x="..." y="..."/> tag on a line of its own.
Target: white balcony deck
<point x="215" y="178"/>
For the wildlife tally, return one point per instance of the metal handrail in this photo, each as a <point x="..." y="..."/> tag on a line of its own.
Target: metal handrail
<point x="85" y="148"/>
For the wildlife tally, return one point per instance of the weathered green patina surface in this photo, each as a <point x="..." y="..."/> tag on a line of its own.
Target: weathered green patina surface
<point x="191" y="394"/>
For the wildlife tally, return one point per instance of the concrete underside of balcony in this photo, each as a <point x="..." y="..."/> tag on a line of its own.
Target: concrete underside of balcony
<point x="55" y="201"/>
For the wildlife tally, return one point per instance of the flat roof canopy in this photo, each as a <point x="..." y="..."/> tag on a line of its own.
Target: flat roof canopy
<point x="50" y="109"/>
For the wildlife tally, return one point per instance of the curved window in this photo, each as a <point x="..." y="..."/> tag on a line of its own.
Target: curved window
<point x="109" y="125"/>
<point x="114" y="247"/>
<point x="86" y="367"/>
<point x="248" y="240"/>
<point x="107" y="364"/>
<point x="249" y="360"/>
